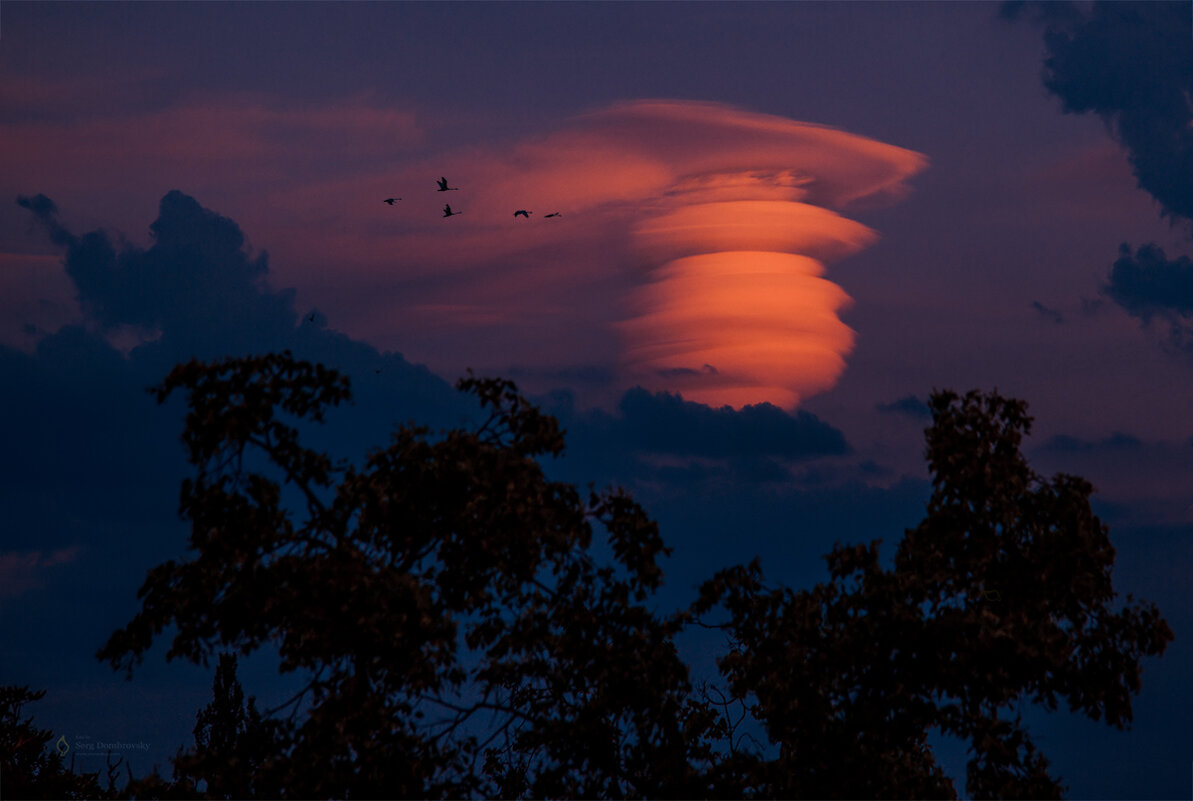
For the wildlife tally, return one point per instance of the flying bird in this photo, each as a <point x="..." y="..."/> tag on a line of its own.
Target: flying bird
<point x="443" y="187"/>
<point x="390" y="200"/>
<point x="523" y="213"/>
<point x="554" y="214"/>
<point x="447" y="210"/>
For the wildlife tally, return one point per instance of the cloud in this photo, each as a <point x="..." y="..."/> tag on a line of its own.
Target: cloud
<point x="908" y="405"/>
<point x="203" y="138"/>
<point x="684" y="372"/>
<point x="665" y="422"/>
<point x="1136" y="480"/>
<point x="197" y="277"/>
<point x="640" y="186"/>
<point x="1132" y="64"/>
<point x="19" y="572"/>
<point x="1149" y="286"/>
<point x="1047" y="312"/>
<point x="1118" y="441"/>
<point x="1146" y="283"/>
<point x="584" y="374"/>
<point x="197" y="292"/>
<point x="734" y="309"/>
<point x="659" y="439"/>
<point x="692" y="234"/>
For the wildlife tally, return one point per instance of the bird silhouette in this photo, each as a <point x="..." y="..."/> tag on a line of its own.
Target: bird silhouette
<point x="311" y="319"/>
<point x="447" y="210"/>
<point x="443" y="187"/>
<point x="523" y="213"/>
<point x="554" y="214"/>
<point x="390" y="200"/>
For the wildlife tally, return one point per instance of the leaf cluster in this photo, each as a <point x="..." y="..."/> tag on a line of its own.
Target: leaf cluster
<point x="461" y="638"/>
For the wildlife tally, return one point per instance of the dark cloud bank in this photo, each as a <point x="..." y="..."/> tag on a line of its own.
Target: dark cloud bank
<point x="1132" y="65"/>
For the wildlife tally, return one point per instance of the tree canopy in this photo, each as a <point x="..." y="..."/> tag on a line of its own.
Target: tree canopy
<point x="26" y="769"/>
<point x="462" y="637"/>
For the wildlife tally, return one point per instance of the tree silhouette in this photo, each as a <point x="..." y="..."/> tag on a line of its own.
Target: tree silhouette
<point x="232" y="747"/>
<point x="26" y="770"/>
<point x="462" y="638"/>
<point x="433" y="545"/>
<point x="849" y="676"/>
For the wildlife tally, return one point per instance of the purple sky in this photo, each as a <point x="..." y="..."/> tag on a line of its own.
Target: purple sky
<point x="993" y="266"/>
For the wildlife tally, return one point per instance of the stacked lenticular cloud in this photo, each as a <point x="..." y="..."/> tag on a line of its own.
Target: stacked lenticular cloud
<point x="734" y="308"/>
<point x="689" y="255"/>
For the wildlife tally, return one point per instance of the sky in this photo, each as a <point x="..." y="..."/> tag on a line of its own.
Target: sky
<point x="779" y="227"/>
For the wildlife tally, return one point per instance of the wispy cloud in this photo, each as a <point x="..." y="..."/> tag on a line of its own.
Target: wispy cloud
<point x="1047" y="312"/>
<point x="21" y="572"/>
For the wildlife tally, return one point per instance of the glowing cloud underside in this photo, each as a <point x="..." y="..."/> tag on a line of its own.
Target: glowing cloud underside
<point x="734" y="309"/>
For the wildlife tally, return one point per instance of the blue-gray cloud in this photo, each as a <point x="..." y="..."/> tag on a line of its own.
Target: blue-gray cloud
<point x="1151" y="287"/>
<point x="908" y="405"/>
<point x="1132" y="65"/>
<point x="1047" y="312"/>
<point x="661" y="439"/>
<point x="665" y="422"/>
<point x="1118" y="442"/>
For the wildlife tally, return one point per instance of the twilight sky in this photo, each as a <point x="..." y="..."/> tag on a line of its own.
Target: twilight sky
<point x="832" y="208"/>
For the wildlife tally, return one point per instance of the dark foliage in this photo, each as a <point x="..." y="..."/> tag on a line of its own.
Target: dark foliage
<point x="848" y="677"/>
<point x="26" y="769"/>
<point x="430" y="547"/>
<point x="462" y="639"/>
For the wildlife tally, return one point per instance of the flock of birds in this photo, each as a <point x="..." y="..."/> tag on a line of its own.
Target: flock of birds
<point x="447" y="212"/>
<point x="447" y="208"/>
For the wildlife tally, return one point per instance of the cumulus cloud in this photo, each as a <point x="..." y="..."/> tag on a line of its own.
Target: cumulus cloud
<point x="197" y="292"/>
<point x="1131" y="64"/>
<point x="1151" y="287"/>
<point x="197" y="276"/>
<point x="1147" y="283"/>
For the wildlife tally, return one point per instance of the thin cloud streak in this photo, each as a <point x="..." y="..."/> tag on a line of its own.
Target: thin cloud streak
<point x="20" y="572"/>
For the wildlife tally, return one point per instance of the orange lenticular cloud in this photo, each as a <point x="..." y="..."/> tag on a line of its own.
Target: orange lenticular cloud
<point x="734" y="309"/>
<point x="739" y="327"/>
